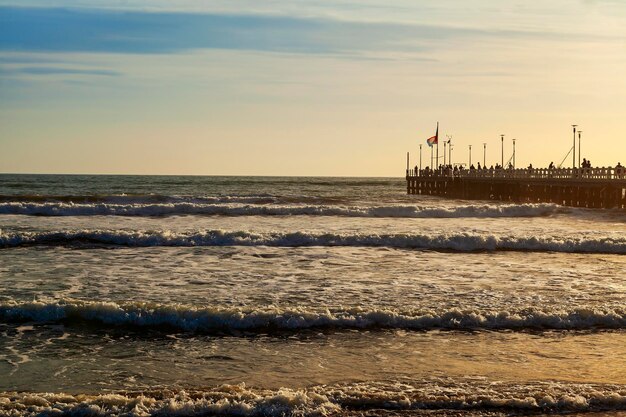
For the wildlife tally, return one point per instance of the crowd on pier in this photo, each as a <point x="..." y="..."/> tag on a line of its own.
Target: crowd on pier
<point x="585" y="171"/>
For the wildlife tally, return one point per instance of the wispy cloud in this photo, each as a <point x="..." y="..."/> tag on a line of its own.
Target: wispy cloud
<point x="81" y="30"/>
<point x="43" y="70"/>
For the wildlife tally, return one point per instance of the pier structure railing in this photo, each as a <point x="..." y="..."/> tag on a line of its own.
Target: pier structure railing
<point x="576" y="187"/>
<point x="604" y="173"/>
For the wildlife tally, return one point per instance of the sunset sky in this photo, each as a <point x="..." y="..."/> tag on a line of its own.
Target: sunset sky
<point x="286" y="87"/>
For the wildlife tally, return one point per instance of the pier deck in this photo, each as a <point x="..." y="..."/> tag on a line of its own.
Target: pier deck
<point x="584" y="187"/>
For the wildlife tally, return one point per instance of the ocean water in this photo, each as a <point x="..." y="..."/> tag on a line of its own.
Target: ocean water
<point x="250" y="296"/>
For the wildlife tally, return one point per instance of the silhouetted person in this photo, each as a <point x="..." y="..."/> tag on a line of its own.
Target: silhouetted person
<point x="551" y="166"/>
<point x="479" y="167"/>
<point x="619" y="170"/>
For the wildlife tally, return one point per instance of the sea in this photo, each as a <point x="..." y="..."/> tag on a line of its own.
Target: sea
<point x="302" y="296"/>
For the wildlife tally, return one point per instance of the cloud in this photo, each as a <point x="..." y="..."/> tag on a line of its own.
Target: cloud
<point x="42" y="70"/>
<point x="89" y="30"/>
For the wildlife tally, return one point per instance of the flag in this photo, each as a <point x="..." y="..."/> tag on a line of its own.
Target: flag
<point x="435" y="139"/>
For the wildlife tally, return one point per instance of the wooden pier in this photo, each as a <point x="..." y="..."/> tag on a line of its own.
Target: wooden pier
<point x="583" y="187"/>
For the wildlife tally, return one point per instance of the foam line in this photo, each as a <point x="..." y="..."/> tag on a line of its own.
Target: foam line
<point x="209" y="320"/>
<point x="322" y="400"/>
<point x="191" y="208"/>
<point x="462" y="242"/>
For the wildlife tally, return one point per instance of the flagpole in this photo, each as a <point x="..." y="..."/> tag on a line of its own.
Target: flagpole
<point x="437" y="140"/>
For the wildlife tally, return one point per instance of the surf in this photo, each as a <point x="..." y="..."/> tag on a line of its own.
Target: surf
<point x="234" y="209"/>
<point x="445" y="241"/>
<point x="430" y="395"/>
<point x="210" y="320"/>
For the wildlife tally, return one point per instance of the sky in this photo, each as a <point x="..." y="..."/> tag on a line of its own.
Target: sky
<point x="293" y="87"/>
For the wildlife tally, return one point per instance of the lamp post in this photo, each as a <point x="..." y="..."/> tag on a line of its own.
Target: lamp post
<point x="420" y="157"/>
<point x="514" y="152"/>
<point x="407" y="164"/>
<point x="579" y="134"/>
<point x="470" y="155"/>
<point x="444" y="153"/>
<point x="432" y="166"/>
<point x="574" y="148"/>
<point x="450" y="153"/>
<point x="484" y="155"/>
<point x="502" y="162"/>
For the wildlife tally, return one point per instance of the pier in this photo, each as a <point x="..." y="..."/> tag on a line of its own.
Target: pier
<point x="574" y="187"/>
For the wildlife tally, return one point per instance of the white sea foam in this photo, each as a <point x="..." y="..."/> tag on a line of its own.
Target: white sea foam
<point x="208" y="319"/>
<point x="448" y="241"/>
<point x="478" y="395"/>
<point x="237" y="209"/>
<point x="140" y="199"/>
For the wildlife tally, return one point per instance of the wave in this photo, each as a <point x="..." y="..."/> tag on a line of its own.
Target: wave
<point x="211" y="320"/>
<point x="133" y="199"/>
<point x="443" y="394"/>
<point x="461" y="242"/>
<point x="191" y="208"/>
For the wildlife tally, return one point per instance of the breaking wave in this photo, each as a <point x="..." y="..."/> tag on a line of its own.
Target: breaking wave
<point x="212" y="320"/>
<point x="477" y="396"/>
<point x="190" y="208"/>
<point x="134" y="199"/>
<point x="462" y="242"/>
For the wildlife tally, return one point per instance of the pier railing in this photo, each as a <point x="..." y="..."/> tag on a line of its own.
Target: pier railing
<point x="609" y="173"/>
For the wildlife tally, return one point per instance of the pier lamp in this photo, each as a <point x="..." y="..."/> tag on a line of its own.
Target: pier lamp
<point x="484" y="155"/>
<point x="574" y="148"/>
<point x="450" y="153"/>
<point x="420" y="157"/>
<point x="502" y="139"/>
<point x="514" y="153"/>
<point x="579" y="134"/>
